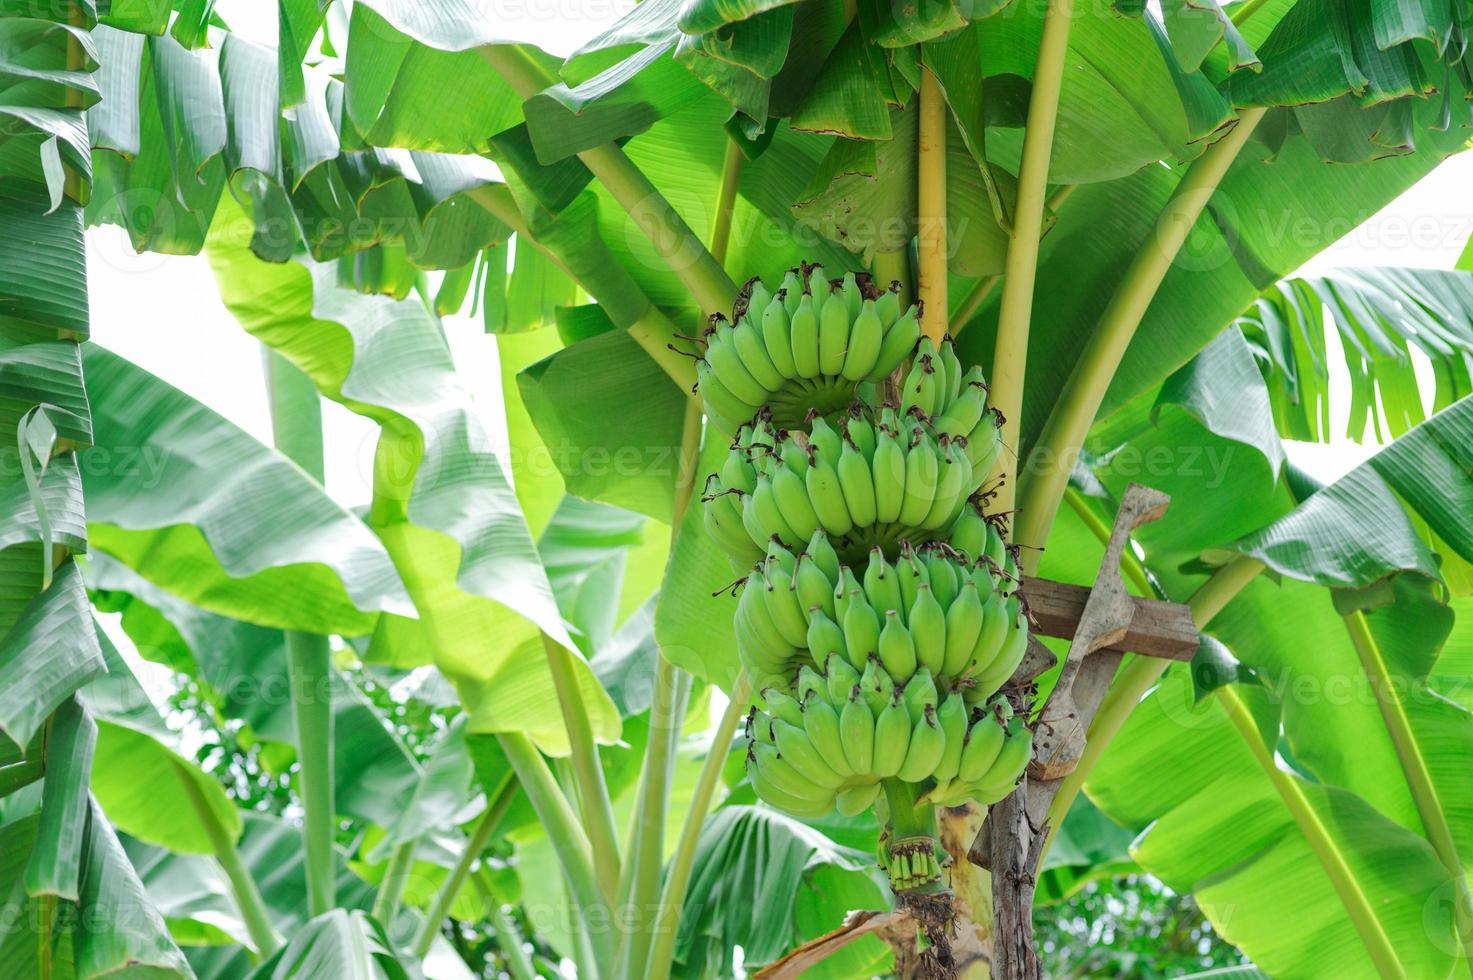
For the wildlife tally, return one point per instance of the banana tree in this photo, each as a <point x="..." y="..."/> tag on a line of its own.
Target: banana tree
<point x="1084" y="200"/>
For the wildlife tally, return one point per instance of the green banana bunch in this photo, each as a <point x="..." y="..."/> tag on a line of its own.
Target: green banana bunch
<point x="993" y="757"/>
<point x="812" y="344"/>
<point x="931" y="609"/>
<point x="877" y="479"/>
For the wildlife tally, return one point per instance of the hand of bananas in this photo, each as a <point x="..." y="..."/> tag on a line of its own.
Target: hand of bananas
<point x="952" y="613"/>
<point x="830" y="743"/>
<point x="808" y="346"/>
<point x="885" y="476"/>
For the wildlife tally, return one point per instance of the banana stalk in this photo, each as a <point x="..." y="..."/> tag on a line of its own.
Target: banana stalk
<point x="667" y="231"/>
<point x="1063" y="434"/>
<point x="931" y="200"/>
<point x="1010" y="355"/>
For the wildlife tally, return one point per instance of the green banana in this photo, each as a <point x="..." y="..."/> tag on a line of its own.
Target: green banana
<point x="821" y="550"/>
<point x="791" y="290"/>
<point x="1014" y="646"/>
<point x="909" y="574"/>
<point x="875" y="686"/>
<point x="723" y="519"/>
<point x="952" y="717"/>
<point x="861" y="632"/>
<point x="861" y="434"/>
<point x="809" y="683"/>
<point x="821" y="723"/>
<point x="764" y="631"/>
<point x="919" y="692"/>
<point x="892" y="738"/>
<point x="920" y="388"/>
<point x="858" y="486"/>
<point x="952" y="486"/>
<point x="753" y="354"/>
<point x="888" y="469"/>
<point x="782" y="605"/>
<point x="824" y="636"/>
<point x="1011" y="761"/>
<point x="757" y="294"/>
<point x="954" y="376"/>
<point x="882" y="583"/>
<point x="814" y="587"/>
<point x="990" y="637"/>
<point x="782" y="705"/>
<point x="722" y="354"/>
<point x="785" y="777"/>
<point x="964" y="619"/>
<point x="825" y="441"/>
<point x="900" y="341"/>
<point x="857" y="729"/>
<point x="720" y="401"/>
<point x="927" y="625"/>
<point x="856" y="799"/>
<point x="853" y="298"/>
<point x="777" y="340"/>
<point x="827" y="497"/>
<point x="833" y="336"/>
<point x="866" y="334"/>
<point x="969" y="534"/>
<point x="943" y="575"/>
<point x="794" y="503"/>
<point x="927" y="745"/>
<point x="783" y="560"/>
<point x="921" y="475"/>
<point x="887" y="307"/>
<point x="800" y="752"/>
<point x="896" y="649"/>
<point x="984" y="741"/>
<point x="961" y="415"/>
<point x="737" y="472"/>
<point x="803" y="333"/>
<point x="840" y="677"/>
<point x="769" y="516"/>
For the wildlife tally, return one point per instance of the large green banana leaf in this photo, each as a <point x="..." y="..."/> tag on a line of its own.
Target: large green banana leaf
<point x="1304" y="672"/>
<point x="1216" y="825"/>
<point x="443" y="504"/>
<point x="766" y="882"/>
<point x="202" y="509"/>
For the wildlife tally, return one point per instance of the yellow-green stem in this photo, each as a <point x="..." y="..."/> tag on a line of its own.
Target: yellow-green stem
<point x="449" y="889"/>
<point x="1051" y="460"/>
<point x="1015" y="314"/>
<point x="391" y="888"/>
<point x="666" y="230"/>
<point x="1414" y="767"/>
<point x="296" y="425"/>
<point x="931" y="206"/>
<point x="242" y="886"/>
<point x="508" y="936"/>
<point x="672" y="686"/>
<point x="588" y="773"/>
<point x="677" y="879"/>
<point x="731" y="178"/>
<point x="568" y="841"/>
<point x="1137" y="676"/>
<point x="1357" y="903"/>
